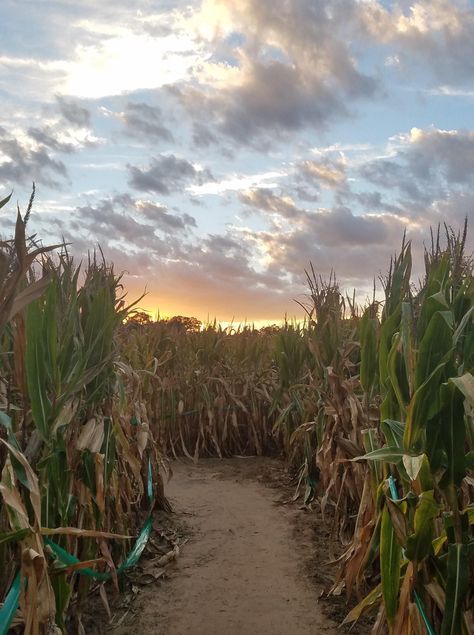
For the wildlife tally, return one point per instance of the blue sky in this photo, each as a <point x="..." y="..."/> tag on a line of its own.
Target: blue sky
<point x="213" y="149"/>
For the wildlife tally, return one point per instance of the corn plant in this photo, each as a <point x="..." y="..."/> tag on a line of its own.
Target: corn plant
<point x="423" y="534"/>
<point x="74" y="449"/>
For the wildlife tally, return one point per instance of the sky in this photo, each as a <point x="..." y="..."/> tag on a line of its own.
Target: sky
<point x="214" y="149"/>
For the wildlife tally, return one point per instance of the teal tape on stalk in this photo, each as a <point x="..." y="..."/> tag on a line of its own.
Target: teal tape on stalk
<point x="12" y="599"/>
<point x="424" y="617"/>
<point x="134" y="555"/>
<point x="138" y="547"/>
<point x="418" y="602"/>
<point x="132" y="558"/>
<point x="151" y="499"/>
<point x="10" y="605"/>
<point x="393" y="488"/>
<point x="68" y="559"/>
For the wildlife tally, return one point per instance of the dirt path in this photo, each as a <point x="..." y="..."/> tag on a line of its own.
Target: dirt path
<point x="240" y="573"/>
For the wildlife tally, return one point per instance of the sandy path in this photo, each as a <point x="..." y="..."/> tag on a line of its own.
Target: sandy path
<point x="239" y="574"/>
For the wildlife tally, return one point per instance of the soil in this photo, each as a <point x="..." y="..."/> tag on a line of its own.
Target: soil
<point x="252" y="563"/>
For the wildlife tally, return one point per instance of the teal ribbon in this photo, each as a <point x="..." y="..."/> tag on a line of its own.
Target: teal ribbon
<point x="10" y="605"/>
<point x="418" y="602"/>
<point x="12" y="599"/>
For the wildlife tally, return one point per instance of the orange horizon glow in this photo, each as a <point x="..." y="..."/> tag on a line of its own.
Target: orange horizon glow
<point x="161" y="310"/>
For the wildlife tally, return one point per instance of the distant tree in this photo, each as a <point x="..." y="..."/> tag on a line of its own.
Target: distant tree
<point x="270" y="329"/>
<point x="139" y="317"/>
<point x="184" y="323"/>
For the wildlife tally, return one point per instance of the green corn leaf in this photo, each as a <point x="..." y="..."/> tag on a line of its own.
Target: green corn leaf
<point x="433" y="299"/>
<point x="452" y="434"/>
<point x="14" y="536"/>
<point x="6" y="422"/>
<point x="36" y="370"/>
<point x="62" y="593"/>
<point x="393" y="432"/>
<point x="406" y="334"/>
<point x="50" y="335"/>
<point x="5" y="200"/>
<point x="436" y="342"/>
<point x="425" y="404"/>
<point x="419" y="544"/>
<point x="389" y="454"/>
<point x="369" y="438"/>
<point x="387" y="329"/>
<point x="456" y="588"/>
<point x="368" y="350"/>
<point x="466" y="318"/>
<point x="390" y="554"/>
<point x="397" y="374"/>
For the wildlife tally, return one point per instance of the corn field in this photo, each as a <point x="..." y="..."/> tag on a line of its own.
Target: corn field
<point x="75" y="440"/>
<point x="371" y="407"/>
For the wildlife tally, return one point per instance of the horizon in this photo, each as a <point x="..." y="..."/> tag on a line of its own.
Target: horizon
<point x="214" y="149"/>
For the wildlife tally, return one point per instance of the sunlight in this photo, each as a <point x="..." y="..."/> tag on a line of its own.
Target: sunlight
<point x="128" y="62"/>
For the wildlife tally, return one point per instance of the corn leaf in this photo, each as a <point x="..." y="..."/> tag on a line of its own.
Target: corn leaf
<point x="390" y="554"/>
<point x="457" y="587"/>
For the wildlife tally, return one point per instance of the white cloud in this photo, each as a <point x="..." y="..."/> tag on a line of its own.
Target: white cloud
<point x="449" y="91"/>
<point x="237" y="183"/>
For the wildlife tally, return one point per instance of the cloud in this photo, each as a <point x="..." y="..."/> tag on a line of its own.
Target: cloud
<point x="145" y="122"/>
<point x="237" y="183"/>
<point x="33" y="152"/>
<point x="325" y="171"/>
<point x="449" y="153"/>
<point x="73" y="112"/>
<point x="265" y="200"/>
<point x="121" y="63"/>
<point x="425" y="164"/>
<point x="162" y="219"/>
<point x="303" y="182"/>
<point x="135" y="221"/>
<point x="276" y="69"/>
<point x="202" y="136"/>
<point x="46" y="137"/>
<point x="434" y="34"/>
<point x="254" y="88"/>
<point x="357" y="247"/>
<point x="211" y="275"/>
<point x="27" y="77"/>
<point x="453" y="210"/>
<point x="93" y="50"/>
<point x="166" y="174"/>
<point x="22" y="162"/>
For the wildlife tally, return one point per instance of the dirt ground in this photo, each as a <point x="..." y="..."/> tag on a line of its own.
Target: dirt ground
<point x="247" y="567"/>
<point x="240" y="572"/>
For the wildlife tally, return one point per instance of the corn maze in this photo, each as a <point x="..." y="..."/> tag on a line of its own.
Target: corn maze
<point x="372" y="408"/>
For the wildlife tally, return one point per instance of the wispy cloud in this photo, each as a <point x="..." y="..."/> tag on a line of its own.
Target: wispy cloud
<point x="237" y="183"/>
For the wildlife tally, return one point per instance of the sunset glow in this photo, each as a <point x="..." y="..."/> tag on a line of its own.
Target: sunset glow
<point x="215" y="148"/>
